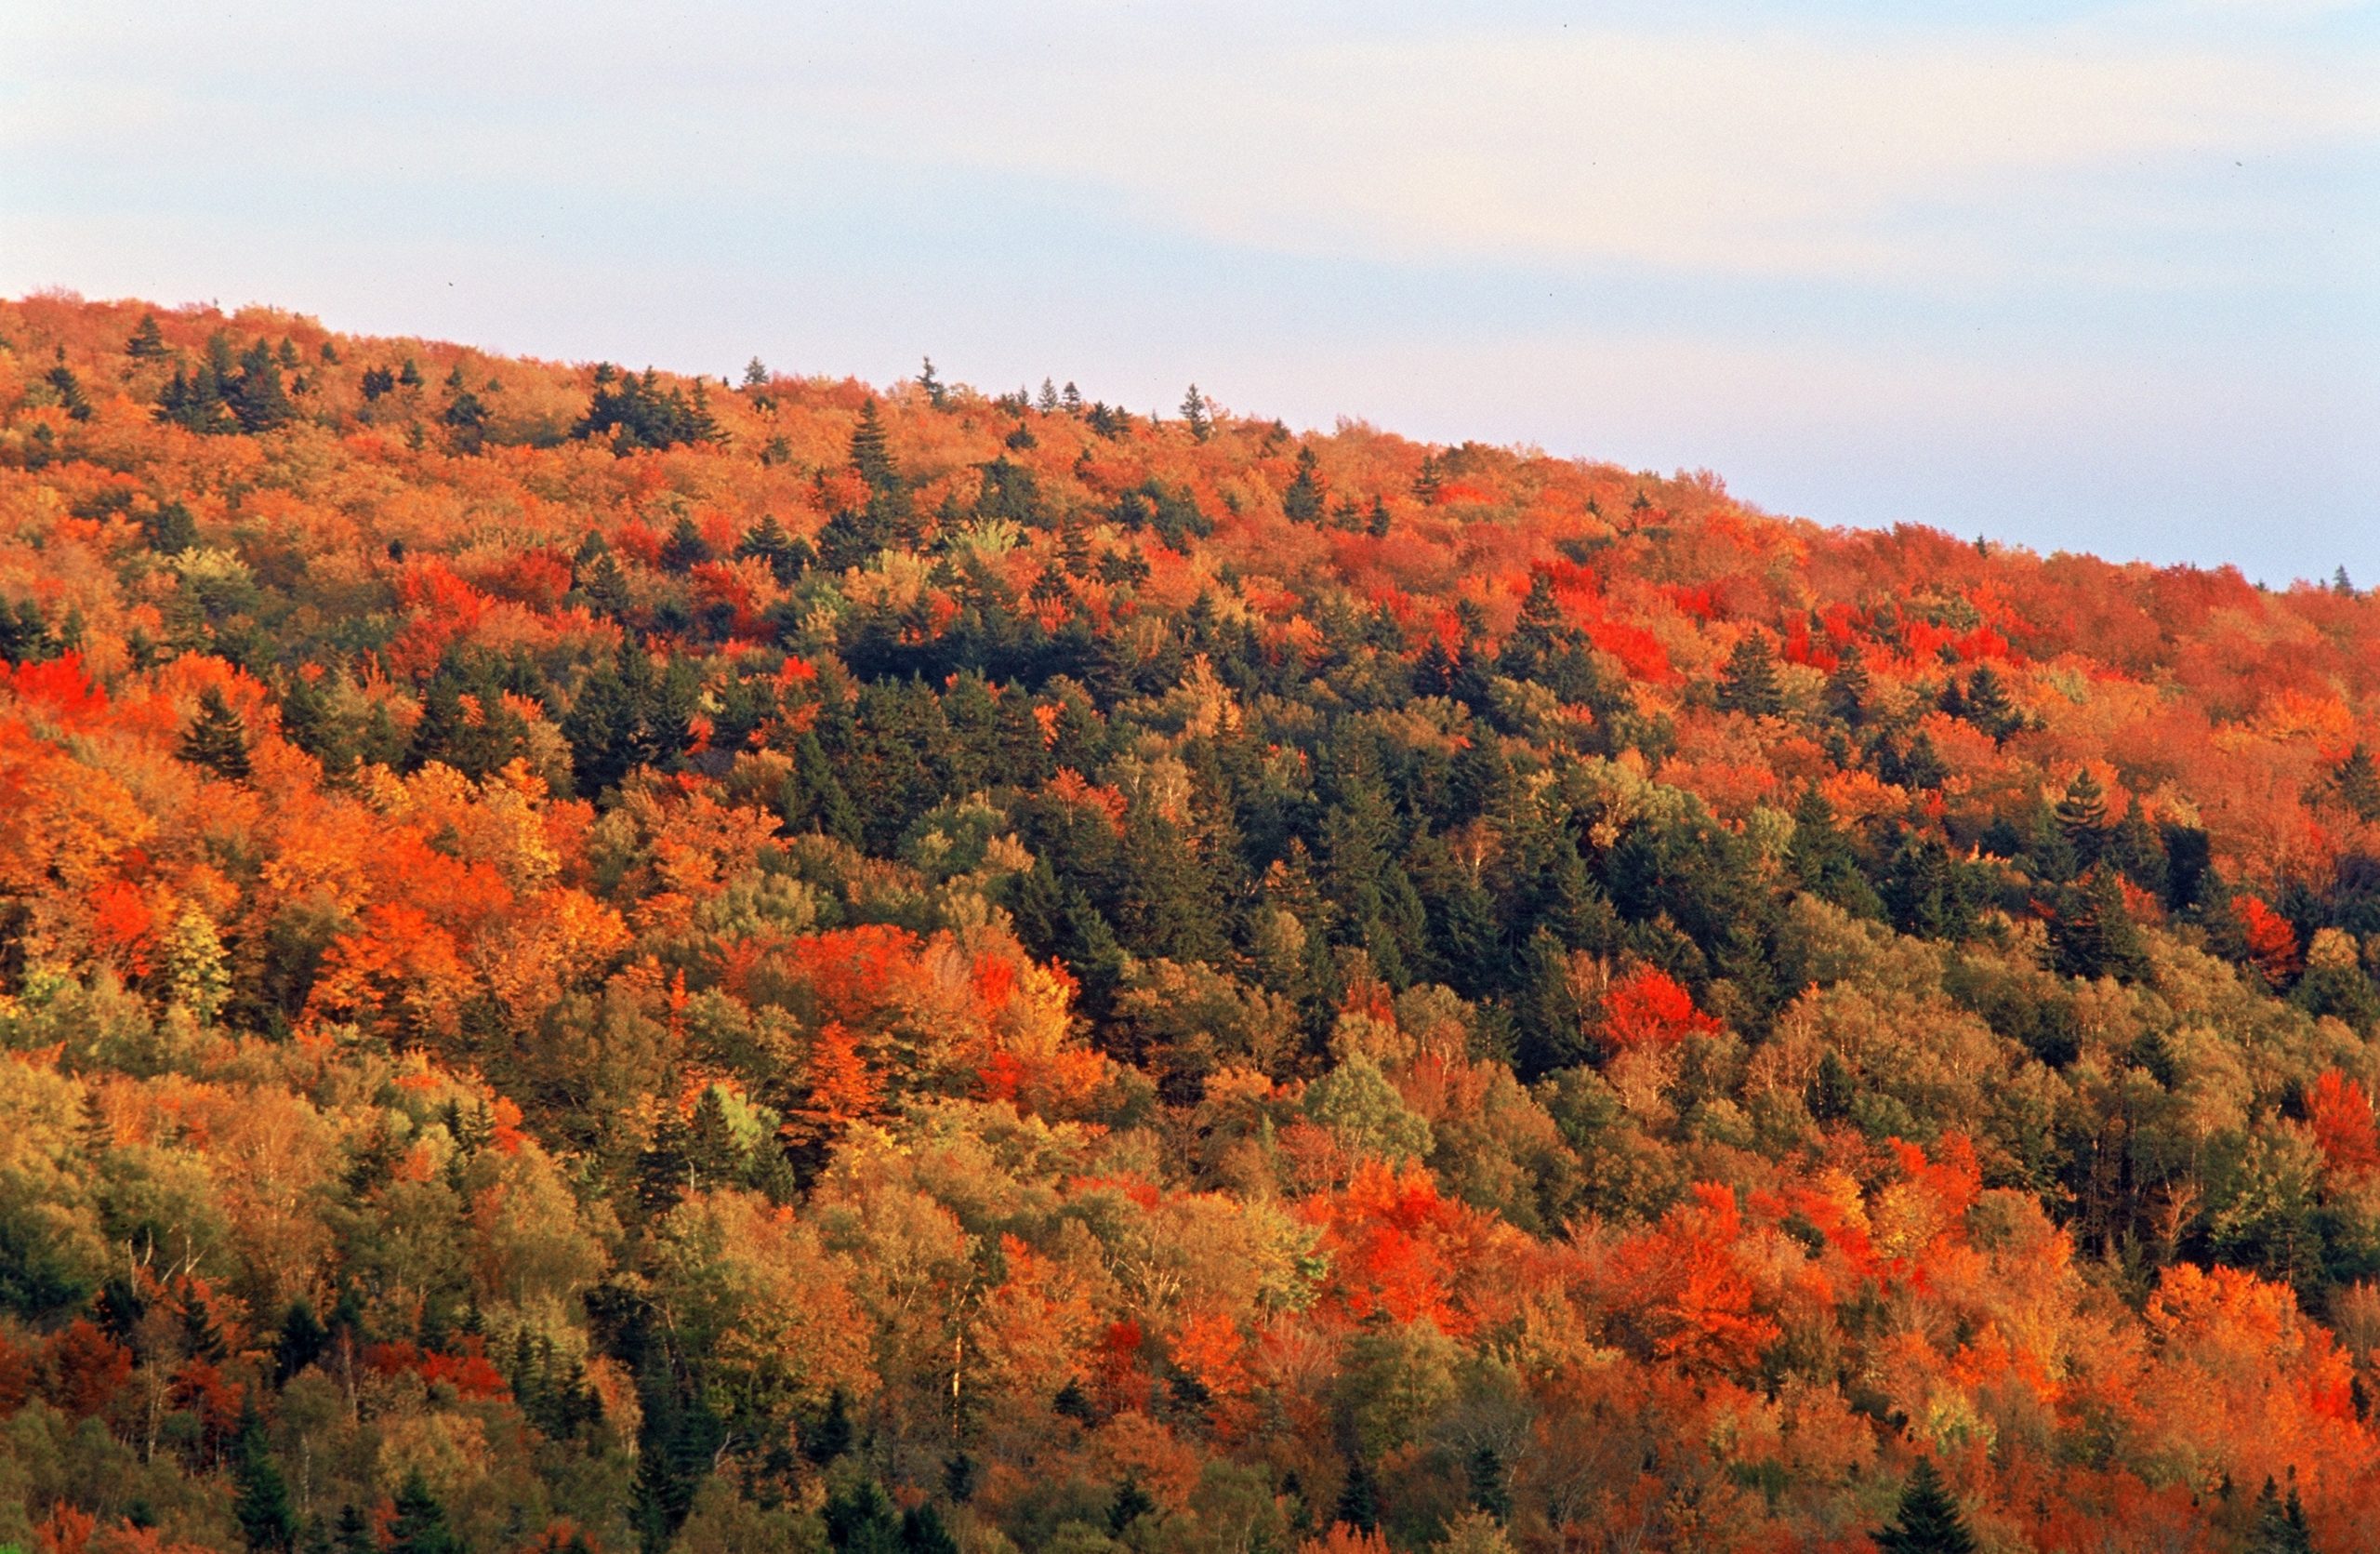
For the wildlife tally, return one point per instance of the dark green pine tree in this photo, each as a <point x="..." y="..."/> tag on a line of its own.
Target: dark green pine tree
<point x="714" y="1155"/>
<point x="2081" y="818"/>
<point x="888" y="519"/>
<point x="2280" y="1524"/>
<point x="1749" y="684"/>
<point x="767" y="541"/>
<point x="217" y="738"/>
<point x="1302" y="503"/>
<point x="923" y="1533"/>
<point x="256" y="393"/>
<point x="1376" y="523"/>
<point x="421" y="1526"/>
<point x="602" y="587"/>
<point x="1848" y="687"/>
<point x="260" y="1497"/>
<point x="1988" y="706"/>
<point x="69" y="389"/>
<point x="860" y="1519"/>
<point x="1194" y="412"/>
<point x="1130" y="1502"/>
<point x="354" y="1535"/>
<point x="148" y="341"/>
<point x="2093" y="934"/>
<point x="1823" y="858"/>
<point x="2359" y="783"/>
<point x="685" y="549"/>
<point x="1928" y="1521"/>
<point x="1359" y="1497"/>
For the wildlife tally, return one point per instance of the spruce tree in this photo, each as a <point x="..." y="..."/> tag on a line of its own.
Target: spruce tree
<point x="1848" y="687"/>
<point x="1928" y="1521"/>
<point x="2081" y="818"/>
<point x="217" y="738"/>
<point x="1988" y="706"/>
<point x="2280" y="1524"/>
<point x="2359" y="783"/>
<point x="1302" y="503"/>
<point x="148" y="341"/>
<point x="1749" y="684"/>
<point x="1194" y="412"/>
<point x="260" y="1497"/>
<point x="421" y="1526"/>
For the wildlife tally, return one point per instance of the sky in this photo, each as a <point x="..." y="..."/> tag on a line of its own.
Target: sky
<point x="2091" y="277"/>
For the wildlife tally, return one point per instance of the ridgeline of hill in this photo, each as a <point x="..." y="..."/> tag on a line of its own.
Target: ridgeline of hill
<point x="592" y="961"/>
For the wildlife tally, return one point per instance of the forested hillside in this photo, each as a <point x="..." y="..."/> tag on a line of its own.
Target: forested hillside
<point x="594" y="961"/>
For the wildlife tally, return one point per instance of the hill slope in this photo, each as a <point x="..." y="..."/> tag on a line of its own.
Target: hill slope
<point x="595" y="956"/>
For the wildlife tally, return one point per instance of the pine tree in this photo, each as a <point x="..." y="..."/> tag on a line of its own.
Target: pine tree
<point x="1988" y="706"/>
<point x="69" y="389"/>
<point x="218" y="738"/>
<point x="1302" y="503"/>
<point x="261" y="1499"/>
<point x="2359" y="784"/>
<point x="2081" y="818"/>
<point x="1359" y="1497"/>
<point x="2280" y="1524"/>
<point x="1749" y="684"/>
<point x="1194" y="413"/>
<point x="148" y="341"/>
<point x="1928" y="1521"/>
<point x="1848" y="687"/>
<point x="421" y="1526"/>
<point x="256" y="393"/>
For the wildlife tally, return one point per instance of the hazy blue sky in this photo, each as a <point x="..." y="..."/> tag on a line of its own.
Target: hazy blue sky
<point x="2085" y="276"/>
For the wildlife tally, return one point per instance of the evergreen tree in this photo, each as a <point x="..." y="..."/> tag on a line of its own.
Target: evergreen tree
<point x="217" y="738"/>
<point x="1749" y="684"/>
<point x="1359" y="1497"/>
<point x="768" y="542"/>
<point x="2082" y="816"/>
<point x="1848" y="687"/>
<point x="354" y="1535"/>
<point x="1302" y="503"/>
<point x="261" y="1498"/>
<point x="1194" y="412"/>
<point x="421" y="1526"/>
<point x="2359" y="784"/>
<point x="2280" y="1524"/>
<point x="69" y="389"/>
<point x="1928" y="1521"/>
<point x="148" y="341"/>
<point x="1987" y="705"/>
<point x="2093" y="934"/>
<point x="1376" y="524"/>
<point x="256" y="394"/>
<point x="170" y="528"/>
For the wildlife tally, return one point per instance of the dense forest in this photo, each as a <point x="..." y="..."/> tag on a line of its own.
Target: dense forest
<point x="599" y="960"/>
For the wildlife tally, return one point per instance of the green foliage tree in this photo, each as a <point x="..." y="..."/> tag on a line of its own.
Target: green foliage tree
<point x="1749" y="684"/>
<point x="218" y="738"/>
<point x="1928" y="1521"/>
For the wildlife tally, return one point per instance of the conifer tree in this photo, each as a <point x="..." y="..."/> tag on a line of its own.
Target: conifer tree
<point x="2280" y="1524"/>
<point x="1194" y="413"/>
<point x="2359" y="784"/>
<point x="1848" y="687"/>
<point x="1749" y="684"/>
<point x="2082" y="816"/>
<point x="1928" y="1521"/>
<point x="261" y="1496"/>
<point x="1302" y="503"/>
<point x="421" y="1526"/>
<point x="1988" y="706"/>
<point x="148" y="341"/>
<point x="218" y="738"/>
